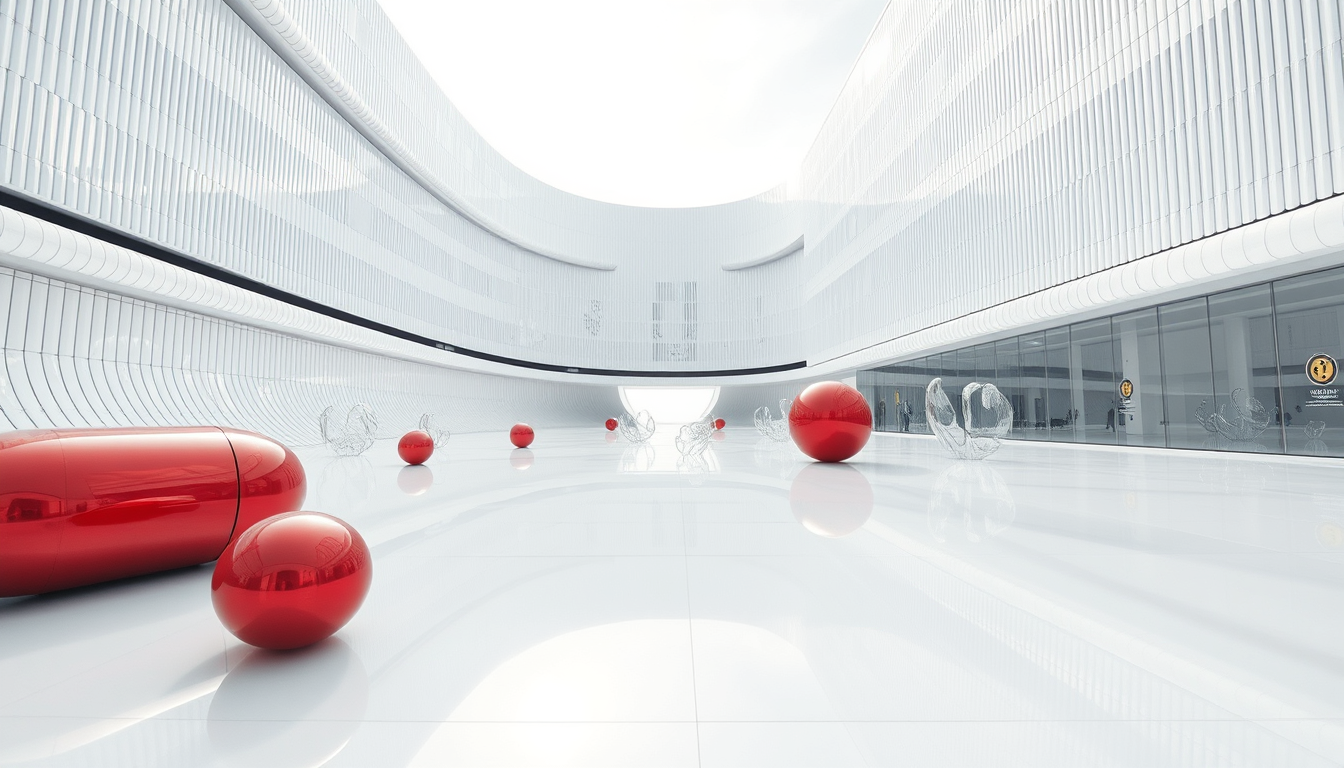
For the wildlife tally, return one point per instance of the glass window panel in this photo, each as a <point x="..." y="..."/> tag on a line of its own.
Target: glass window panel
<point x="1310" y="322"/>
<point x="1036" y="419"/>
<point x="1140" y="417"/>
<point x="1059" y="398"/>
<point x="1245" y="373"/>
<point x="1007" y="366"/>
<point x="1092" y="374"/>
<point x="1187" y="372"/>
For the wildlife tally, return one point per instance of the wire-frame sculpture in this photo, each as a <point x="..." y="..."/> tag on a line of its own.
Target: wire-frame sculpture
<point x="353" y="436"/>
<point x="976" y="441"/>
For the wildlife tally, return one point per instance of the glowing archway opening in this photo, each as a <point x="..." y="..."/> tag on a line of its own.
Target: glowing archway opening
<point x="670" y="405"/>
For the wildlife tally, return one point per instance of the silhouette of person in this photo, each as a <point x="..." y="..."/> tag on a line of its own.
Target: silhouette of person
<point x="1110" y="419"/>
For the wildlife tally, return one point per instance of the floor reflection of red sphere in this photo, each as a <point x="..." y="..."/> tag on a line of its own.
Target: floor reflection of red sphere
<point x="830" y="421"/>
<point x="291" y="580"/>
<point x="415" y="447"/>
<point x="415" y="479"/>
<point x="521" y="435"/>
<point x="831" y="500"/>
<point x="521" y="458"/>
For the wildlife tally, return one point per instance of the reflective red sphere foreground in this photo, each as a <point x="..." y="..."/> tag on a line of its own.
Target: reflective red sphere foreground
<point x="521" y="435"/>
<point x="830" y="421"/>
<point x="415" y="447"/>
<point x="720" y="423"/>
<point x="291" y="580"/>
<point x="611" y="425"/>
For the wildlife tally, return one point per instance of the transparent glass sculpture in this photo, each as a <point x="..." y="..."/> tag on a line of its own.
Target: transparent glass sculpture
<point x="694" y="437"/>
<point x="438" y="434"/>
<point x="769" y="426"/>
<point x="638" y="428"/>
<point x="1248" y="421"/>
<point x="980" y="440"/>
<point x="350" y="437"/>
<point x="1315" y="446"/>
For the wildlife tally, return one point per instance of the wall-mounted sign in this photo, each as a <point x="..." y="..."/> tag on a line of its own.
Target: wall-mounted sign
<point x="1126" y="389"/>
<point x="1321" y="371"/>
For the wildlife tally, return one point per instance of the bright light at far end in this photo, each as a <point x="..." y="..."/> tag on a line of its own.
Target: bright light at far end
<point x="670" y="405"/>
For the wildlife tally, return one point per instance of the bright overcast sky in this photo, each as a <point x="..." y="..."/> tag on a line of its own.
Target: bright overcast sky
<point x="643" y="102"/>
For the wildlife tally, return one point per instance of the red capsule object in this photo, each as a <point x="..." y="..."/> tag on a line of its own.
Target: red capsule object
<point x="82" y="506"/>
<point x="521" y="435"/>
<point x="415" y="447"/>
<point x="611" y="425"/>
<point x="720" y="423"/>
<point x="830" y="421"/>
<point x="291" y="580"/>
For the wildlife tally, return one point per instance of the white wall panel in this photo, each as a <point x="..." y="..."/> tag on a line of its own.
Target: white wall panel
<point x="986" y="165"/>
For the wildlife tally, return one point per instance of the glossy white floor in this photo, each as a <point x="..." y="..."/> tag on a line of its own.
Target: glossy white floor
<point x="1053" y="606"/>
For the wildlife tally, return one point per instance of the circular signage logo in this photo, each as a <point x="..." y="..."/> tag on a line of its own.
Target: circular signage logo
<point x="1321" y="369"/>
<point x="1126" y="389"/>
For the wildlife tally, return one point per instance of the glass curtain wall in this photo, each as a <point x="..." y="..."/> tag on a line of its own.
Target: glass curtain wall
<point x="1252" y="369"/>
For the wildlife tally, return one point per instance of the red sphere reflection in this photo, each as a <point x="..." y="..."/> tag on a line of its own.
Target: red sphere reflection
<point x="831" y="500"/>
<point x="291" y="580"/>
<point x="611" y="425"/>
<point x="521" y="458"/>
<point x="720" y="423"/>
<point x="415" y="447"/>
<point x="830" y="421"/>
<point x="521" y="435"/>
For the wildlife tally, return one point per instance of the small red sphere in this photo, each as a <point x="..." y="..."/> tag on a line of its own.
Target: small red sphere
<point x="830" y="421"/>
<point x="291" y="580"/>
<point x="720" y="423"/>
<point x="415" y="447"/>
<point x="611" y="425"/>
<point x="521" y="435"/>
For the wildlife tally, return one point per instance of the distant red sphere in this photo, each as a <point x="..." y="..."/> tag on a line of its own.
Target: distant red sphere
<point x="611" y="425"/>
<point x="291" y="580"/>
<point x="720" y="423"/>
<point x="415" y="447"/>
<point x="830" y="421"/>
<point x="521" y="435"/>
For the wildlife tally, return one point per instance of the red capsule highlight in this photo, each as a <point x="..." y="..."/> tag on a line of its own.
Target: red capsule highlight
<point x="82" y="506"/>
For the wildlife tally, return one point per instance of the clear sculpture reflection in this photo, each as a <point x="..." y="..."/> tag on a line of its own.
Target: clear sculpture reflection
<point x="638" y="428"/>
<point x="353" y="436"/>
<point x="440" y="435"/>
<point x="770" y="427"/>
<point x="1251" y="419"/>
<point x="978" y="440"/>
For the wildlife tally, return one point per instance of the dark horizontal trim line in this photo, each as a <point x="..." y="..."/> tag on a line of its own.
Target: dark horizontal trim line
<point x="109" y="235"/>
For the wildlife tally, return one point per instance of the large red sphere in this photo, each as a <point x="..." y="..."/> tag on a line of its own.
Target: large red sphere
<point x="611" y="425"/>
<point x="521" y="435"/>
<point x="415" y="447"/>
<point x="291" y="580"/>
<point x="830" y="421"/>
<point x="720" y="423"/>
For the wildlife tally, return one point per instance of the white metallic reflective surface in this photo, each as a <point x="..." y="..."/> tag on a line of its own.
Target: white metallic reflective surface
<point x="1051" y="606"/>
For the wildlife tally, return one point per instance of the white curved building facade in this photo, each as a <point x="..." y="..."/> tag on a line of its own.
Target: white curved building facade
<point x="245" y="211"/>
